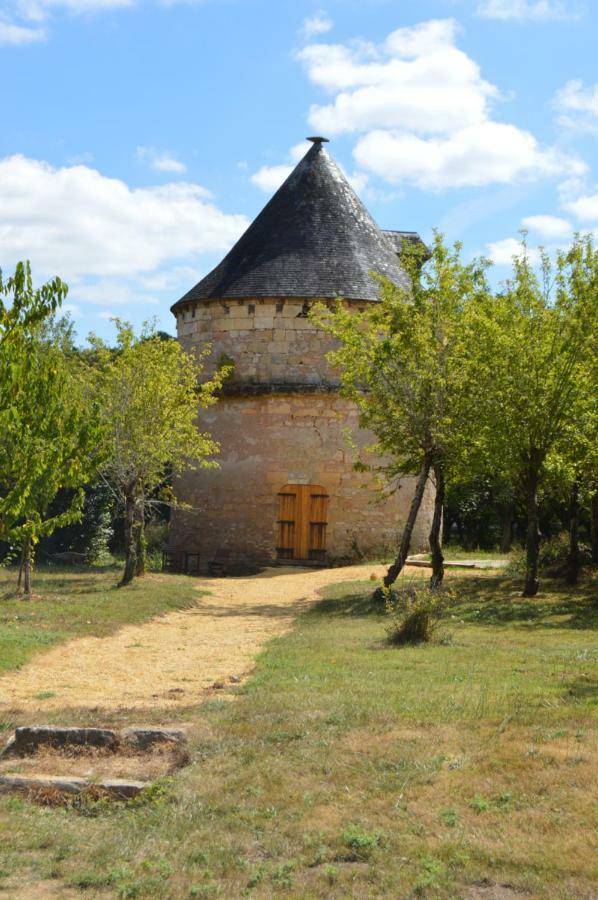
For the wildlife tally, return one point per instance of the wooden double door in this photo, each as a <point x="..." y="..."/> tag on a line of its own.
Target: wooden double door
<point x="302" y="521"/>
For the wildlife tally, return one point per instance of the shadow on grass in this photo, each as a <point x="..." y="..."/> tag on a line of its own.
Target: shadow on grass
<point x="498" y="601"/>
<point x="483" y="601"/>
<point x="357" y="605"/>
<point x="584" y="689"/>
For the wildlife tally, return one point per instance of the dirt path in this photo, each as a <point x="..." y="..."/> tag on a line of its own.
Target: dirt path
<point x="172" y="660"/>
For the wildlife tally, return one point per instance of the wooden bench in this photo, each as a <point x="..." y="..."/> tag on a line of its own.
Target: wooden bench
<point x="180" y="561"/>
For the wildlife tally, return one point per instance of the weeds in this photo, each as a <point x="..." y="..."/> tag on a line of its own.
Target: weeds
<point x="360" y="842"/>
<point x="414" y="613"/>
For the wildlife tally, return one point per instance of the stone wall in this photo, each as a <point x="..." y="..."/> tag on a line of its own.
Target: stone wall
<point x="270" y="340"/>
<point x="268" y="442"/>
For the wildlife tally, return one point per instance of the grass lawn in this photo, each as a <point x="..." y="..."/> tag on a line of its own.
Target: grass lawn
<point x="68" y="604"/>
<point x="349" y="768"/>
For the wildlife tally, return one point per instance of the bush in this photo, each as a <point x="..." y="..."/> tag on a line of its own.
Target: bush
<point x="554" y="554"/>
<point x="414" y="613"/>
<point x="156" y="538"/>
<point x="361" y="843"/>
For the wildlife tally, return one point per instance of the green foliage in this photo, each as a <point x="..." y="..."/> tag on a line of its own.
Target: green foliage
<point x="330" y="873"/>
<point x="149" y="398"/>
<point x="50" y="440"/>
<point x="529" y="349"/>
<point x="149" y="394"/>
<point x="92" y="534"/>
<point x="474" y="508"/>
<point x="432" y="870"/>
<point x="360" y="842"/>
<point x="98" y="536"/>
<point x="449" y="816"/>
<point x="156" y="538"/>
<point x="26" y="306"/>
<point x="530" y="374"/>
<point x="552" y="558"/>
<point x="50" y="433"/>
<point x="414" y="612"/>
<point x="400" y="359"/>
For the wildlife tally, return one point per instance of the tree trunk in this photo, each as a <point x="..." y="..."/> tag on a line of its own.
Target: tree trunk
<point x="27" y="566"/>
<point x="594" y="527"/>
<point x="395" y="570"/>
<point x="141" y="561"/>
<point x="434" y="538"/>
<point x="532" y="543"/>
<point x="572" y="575"/>
<point x="506" y="539"/>
<point x="21" y="564"/>
<point x="130" y="542"/>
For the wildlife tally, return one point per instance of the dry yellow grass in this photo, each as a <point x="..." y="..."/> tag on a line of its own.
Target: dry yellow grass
<point x="174" y="659"/>
<point x="97" y="763"/>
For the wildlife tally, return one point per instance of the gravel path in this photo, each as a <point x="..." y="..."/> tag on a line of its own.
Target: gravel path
<point x="174" y="659"/>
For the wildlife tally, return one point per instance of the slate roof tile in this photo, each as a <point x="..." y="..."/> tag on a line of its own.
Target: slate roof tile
<point x="314" y="239"/>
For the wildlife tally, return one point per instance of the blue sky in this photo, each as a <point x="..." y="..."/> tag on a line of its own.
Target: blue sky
<point x="140" y="137"/>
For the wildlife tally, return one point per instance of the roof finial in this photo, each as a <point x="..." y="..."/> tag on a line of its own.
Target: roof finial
<point x="318" y="140"/>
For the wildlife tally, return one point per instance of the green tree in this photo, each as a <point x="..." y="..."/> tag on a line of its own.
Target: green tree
<point x="572" y="466"/>
<point x="26" y="306"/>
<point x="49" y="436"/>
<point x="400" y="361"/>
<point x="150" y="396"/>
<point x="528" y="368"/>
<point x="22" y="308"/>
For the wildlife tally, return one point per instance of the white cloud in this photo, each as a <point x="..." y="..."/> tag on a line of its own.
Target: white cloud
<point x="424" y="112"/>
<point x="535" y="10"/>
<point x="20" y="34"/>
<point x="101" y="235"/>
<point x="77" y="158"/>
<point x="578" y="106"/>
<point x="17" y="17"/>
<point x="37" y="10"/>
<point x="161" y="162"/>
<point x="584" y="208"/>
<point x="417" y="79"/>
<point x="166" y="163"/>
<point x="269" y="178"/>
<point x="502" y="252"/>
<point x="70" y="308"/>
<point x="490" y="152"/>
<point x="548" y="226"/>
<point x="319" y="23"/>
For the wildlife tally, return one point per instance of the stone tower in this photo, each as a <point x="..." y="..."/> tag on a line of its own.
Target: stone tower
<point x="286" y="488"/>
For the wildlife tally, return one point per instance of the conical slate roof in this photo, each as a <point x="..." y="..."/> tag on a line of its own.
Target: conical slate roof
<point x="314" y="238"/>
